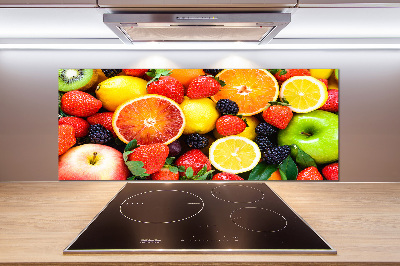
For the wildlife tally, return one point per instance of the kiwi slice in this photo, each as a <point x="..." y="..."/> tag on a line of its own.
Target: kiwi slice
<point x="76" y="79"/>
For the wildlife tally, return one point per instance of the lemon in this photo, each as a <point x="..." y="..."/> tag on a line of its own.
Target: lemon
<point x="249" y="132"/>
<point x="234" y="154"/>
<point x="114" y="91"/>
<point x="304" y="93"/>
<point x="200" y="115"/>
<point x="321" y="73"/>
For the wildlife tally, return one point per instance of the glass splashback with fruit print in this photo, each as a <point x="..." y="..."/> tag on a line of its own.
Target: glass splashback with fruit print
<point x="198" y="124"/>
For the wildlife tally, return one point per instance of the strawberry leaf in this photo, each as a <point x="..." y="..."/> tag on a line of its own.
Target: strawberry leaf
<point x="181" y="169"/>
<point x="278" y="71"/>
<point x="302" y="158"/>
<point x="284" y="103"/>
<point x="173" y="169"/>
<point x="169" y="160"/>
<point x="189" y="172"/>
<point x="136" y="168"/>
<point x="220" y="81"/>
<point x="262" y="171"/>
<point x="131" y="145"/>
<point x="288" y="168"/>
<point x="125" y="155"/>
<point x="155" y="74"/>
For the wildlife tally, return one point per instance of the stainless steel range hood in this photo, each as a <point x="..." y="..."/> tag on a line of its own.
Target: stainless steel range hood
<point x="193" y="27"/>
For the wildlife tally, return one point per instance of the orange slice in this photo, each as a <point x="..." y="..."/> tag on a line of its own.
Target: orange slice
<point x="149" y="119"/>
<point x="251" y="89"/>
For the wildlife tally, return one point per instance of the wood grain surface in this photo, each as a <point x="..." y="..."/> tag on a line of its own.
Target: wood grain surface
<point x="360" y="220"/>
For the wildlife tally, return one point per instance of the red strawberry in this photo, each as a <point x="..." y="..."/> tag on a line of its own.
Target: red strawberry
<point x="325" y="81"/>
<point x="104" y="119"/>
<point x="203" y="87"/>
<point x="79" y="103"/>
<point x="283" y="74"/>
<point x="194" y="159"/>
<point x="135" y="72"/>
<point x="80" y="125"/>
<point x="153" y="156"/>
<point x="165" y="174"/>
<point x="331" y="171"/>
<point x="278" y="115"/>
<point x="310" y="173"/>
<point x="167" y="86"/>
<point x="332" y="104"/>
<point x="66" y="138"/>
<point x="230" y="125"/>
<point x="226" y="176"/>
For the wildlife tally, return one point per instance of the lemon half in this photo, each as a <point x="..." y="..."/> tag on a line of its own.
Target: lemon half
<point x="234" y="154"/>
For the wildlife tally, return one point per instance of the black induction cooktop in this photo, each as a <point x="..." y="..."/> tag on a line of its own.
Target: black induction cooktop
<point x="201" y="217"/>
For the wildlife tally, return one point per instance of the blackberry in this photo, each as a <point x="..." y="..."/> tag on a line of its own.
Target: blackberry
<point x="263" y="142"/>
<point x="228" y="107"/>
<point x="275" y="155"/>
<point x="111" y="72"/>
<point x="266" y="129"/>
<point x="175" y="148"/>
<point x="98" y="134"/>
<point x="196" y="141"/>
<point x="213" y="72"/>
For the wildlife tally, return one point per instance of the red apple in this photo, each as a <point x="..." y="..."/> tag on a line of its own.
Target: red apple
<point x="92" y="162"/>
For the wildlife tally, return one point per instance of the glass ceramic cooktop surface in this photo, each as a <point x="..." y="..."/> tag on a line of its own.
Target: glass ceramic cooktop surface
<point x="201" y="217"/>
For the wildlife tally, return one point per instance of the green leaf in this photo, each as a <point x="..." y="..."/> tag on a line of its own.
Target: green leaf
<point x="131" y="145"/>
<point x="155" y="74"/>
<point x="288" y="168"/>
<point x="125" y="155"/>
<point x="283" y="175"/>
<point x="189" y="172"/>
<point x="136" y="168"/>
<point x="303" y="159"/>
<point x="173" y="169"/>
<point x="262" y="171"/>
<point x="204" y="176"/>
<point x="220" y="81"/>
<point x="169" y="160"/>
<point x="181" y="168"/>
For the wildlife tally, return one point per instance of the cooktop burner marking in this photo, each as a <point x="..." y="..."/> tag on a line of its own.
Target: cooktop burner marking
<point x="237" y="194"/>
<point x="258" y="220"/>
<point x="156" y="218"/>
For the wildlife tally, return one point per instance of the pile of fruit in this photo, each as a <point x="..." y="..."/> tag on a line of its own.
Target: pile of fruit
<point x="198" y="124"/>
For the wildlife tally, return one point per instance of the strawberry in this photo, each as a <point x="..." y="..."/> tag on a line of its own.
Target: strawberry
<point x="135" y="72"/>
<point x="332" y="103"/>
<point x="153" y="156"/>
<point x="203" y="87"/>
<point x="66" y="138"/>
<point x="325" y="81"/>
<point x="79" y="103"/>
<point x="194" y="159"/>
<point x="80" y="125"/>
<point x="230" y="125"/>
<point x="310" y="173"/>
<point x="283" y="74"/>
<point x="104" y="119"/>
<point x="165" y="174"/>
<point x="331" y="171"/>
<point x="167" y="86"/>
<point x="278" y="115"/>
<point x="226" y="176"/>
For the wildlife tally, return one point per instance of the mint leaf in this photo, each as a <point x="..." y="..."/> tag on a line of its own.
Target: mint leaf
<point x="131" y="145"/>
<point x="288" y="168"/>
<point x="262" y="171"/>
<point x="302" y="158"/>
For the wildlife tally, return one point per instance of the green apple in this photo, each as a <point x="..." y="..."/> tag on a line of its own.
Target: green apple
<point x="337" y="74"/>
<point x="316" y="133"/>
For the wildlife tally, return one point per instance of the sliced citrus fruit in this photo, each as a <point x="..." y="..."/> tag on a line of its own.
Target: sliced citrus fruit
<point x="304" y="93"/>
<point x="251" y="89"/>
<point x="149" y="119"/>
<point x="234" y="154"/>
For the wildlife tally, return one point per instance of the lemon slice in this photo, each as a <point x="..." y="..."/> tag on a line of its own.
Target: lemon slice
<point x="304" y="93"/>
<point x="234" y="154"/>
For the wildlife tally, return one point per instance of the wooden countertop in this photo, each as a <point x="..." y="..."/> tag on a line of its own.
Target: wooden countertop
<point x="360" y="220"/>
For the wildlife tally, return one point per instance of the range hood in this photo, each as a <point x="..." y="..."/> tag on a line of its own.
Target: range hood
<point x="253" y="27"/>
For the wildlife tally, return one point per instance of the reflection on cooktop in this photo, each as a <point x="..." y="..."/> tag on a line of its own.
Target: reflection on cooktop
<point x="198" y="217"/>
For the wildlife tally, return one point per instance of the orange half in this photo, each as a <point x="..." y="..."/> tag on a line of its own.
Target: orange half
<point x="251" y="89"/>
<point x="149" y="119"/>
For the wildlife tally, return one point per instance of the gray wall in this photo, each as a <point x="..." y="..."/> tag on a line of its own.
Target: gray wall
<point x="369" y="100"/>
